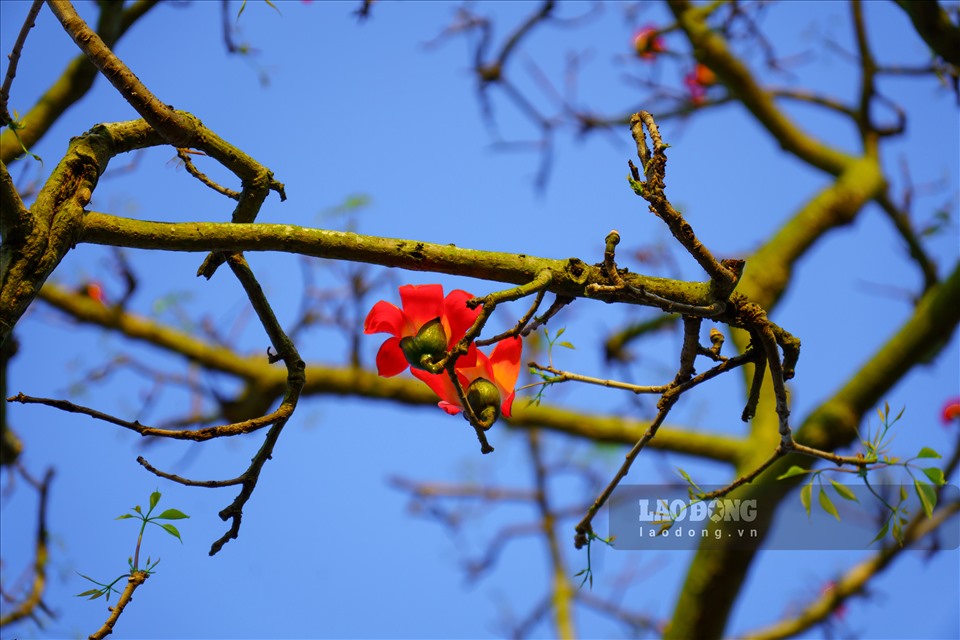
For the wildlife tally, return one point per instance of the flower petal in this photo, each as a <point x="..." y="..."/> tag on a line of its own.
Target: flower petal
<point x="441" y="385"/>
<point x="421" y="304"/>
<point x="459" y="316"/>
<point x="505" y="362"/>
<point x="507" y="405"/>
<point x="452" y="409"/>
<point x="384" y="318"/>
<point x="390" y="358"/>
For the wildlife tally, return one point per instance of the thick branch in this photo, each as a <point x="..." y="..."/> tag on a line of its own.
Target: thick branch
<point x="935" y="27"/>
<point x="711" y="49"/>
<point x="570" y="277"/>
<point x="175" y="129"/>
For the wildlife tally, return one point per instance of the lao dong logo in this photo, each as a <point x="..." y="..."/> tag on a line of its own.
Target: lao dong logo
<point x="662" y="511"/>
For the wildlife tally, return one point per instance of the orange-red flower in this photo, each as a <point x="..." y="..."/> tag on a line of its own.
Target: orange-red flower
<point x="423" y="330"/>
<point x="488" y="385"/>
<point x="94" y="291"/>
<point x="697" y="82"/>
<point x="951" y="411"/>
<point x="647" y="43"/>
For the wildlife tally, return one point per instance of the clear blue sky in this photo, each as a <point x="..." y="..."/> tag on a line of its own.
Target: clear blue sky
<point x="327" y="548"/>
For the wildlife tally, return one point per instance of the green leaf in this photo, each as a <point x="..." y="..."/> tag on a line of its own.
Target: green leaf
<point x="844" y="491"/>
<point x="125" y="516"/>
<point x="927" y="495"/>
<point x="898" y="531"/>
<point x="805" y="495"/>
<point x="172" y="530"/>
<point x="883" y="532"/>
<point x="686" y="476"/>
<point x="172" y="514"/>
<point x="927" y="452"/>
<point x="93" y="593"/>
<point x="826" y="504"/>
<point x="903" y="493"/>
<point x="566" y="345"/>
<point x="560" y="332"/>
<point x="154" y="499"/>
<point x="936" y="476"/>
<point x="793" y="471"/>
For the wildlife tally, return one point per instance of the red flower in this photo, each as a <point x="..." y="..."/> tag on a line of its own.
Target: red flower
<point x="488" y="385"/>
<point x="647" y="43"/>
<point x="951" y="411"/>
<point x="94" y="291"/>
<point x="424" y="329"/>
<point x="697" y="82"/>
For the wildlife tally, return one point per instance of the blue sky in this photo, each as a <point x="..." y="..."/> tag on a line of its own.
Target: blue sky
<point x="327" y="547"/>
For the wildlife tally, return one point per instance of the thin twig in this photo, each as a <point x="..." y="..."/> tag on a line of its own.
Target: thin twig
<point x="136" y="579"/>
<point x="14" y="58"/>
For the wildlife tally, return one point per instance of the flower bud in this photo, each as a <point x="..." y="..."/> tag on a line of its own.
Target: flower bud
<point x="484" y="399"/>
<point x="427" y="347"/>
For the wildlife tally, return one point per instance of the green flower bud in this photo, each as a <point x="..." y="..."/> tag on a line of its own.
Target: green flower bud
<point x="427" y="347"/>
<point x="484" y="399"/>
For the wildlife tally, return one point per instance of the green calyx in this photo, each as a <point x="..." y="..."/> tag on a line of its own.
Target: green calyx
<point x="484" y="399"/>
<point x="427" y="348"/>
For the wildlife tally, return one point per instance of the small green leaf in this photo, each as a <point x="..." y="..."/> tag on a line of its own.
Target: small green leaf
<point x="793" y="471"/>
<point x="125" y="516"/>
<point x="686" y="476"/>
<point x="903" y="493"/>
<point x="927" y="452"/>
<point x="844" y="491"/>
<point x="137" y="509"/>
<point x="566" y="345"/>
<point x="154" y="499"/>
<point x="927" y="495"/>
<point x="172" y="530"/>
<point x="172" y="514"/>
<point x="93" y="593"/>
<point x="827" y="505"/>
<point x="936" y="476"/>
<point x="883" y="532"/>
<point x="805" y="495"/>
<point x="898" y="531"/>
<point x="560" y="332"/>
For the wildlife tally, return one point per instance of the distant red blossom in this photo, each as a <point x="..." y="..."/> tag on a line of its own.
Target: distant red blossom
<point x="647" y="43"/>
<point x="697" y="82"/>
<point x="94" y="291"/>
<point x="951" y="411"/>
